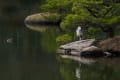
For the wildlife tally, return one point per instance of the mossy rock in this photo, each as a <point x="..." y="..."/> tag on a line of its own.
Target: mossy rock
<point x="43" y="18"/>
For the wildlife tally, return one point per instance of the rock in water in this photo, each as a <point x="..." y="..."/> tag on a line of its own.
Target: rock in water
<point x="110" y="44"/>
<point x="43" y="19"/>
<point x="75" y="48"/>
<point x="92" y="51"/>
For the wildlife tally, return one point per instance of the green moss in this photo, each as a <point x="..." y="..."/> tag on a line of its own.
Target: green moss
<point x="52" y="17"/>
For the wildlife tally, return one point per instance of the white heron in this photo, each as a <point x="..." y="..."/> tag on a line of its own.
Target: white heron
<point x="79" y="32"/>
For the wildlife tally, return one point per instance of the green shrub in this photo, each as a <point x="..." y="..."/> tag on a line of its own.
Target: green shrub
<point x="63" y="39"/>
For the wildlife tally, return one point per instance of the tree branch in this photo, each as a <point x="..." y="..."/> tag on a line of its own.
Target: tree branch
<point x="109" y="10"/>
<point x="91" y="12"/>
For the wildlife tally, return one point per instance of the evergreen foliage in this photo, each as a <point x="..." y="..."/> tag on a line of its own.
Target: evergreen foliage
<point x="102" y="14"/>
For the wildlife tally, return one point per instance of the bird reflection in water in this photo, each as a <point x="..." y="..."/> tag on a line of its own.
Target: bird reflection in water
<point x="80" y="61"/>
<point x="78" y="71"/>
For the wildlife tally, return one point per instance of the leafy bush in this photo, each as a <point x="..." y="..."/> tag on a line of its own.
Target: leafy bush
<point x="92" y="32"/>
<point x="71" y="21"/>
<point x="63" y="39"/>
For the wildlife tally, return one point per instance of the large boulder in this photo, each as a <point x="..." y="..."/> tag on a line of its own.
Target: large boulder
<point x="43" y="19"/>
<point x="111" y="46"/>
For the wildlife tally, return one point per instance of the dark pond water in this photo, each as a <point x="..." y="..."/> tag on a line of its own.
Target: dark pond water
<point x="31" y="55"/>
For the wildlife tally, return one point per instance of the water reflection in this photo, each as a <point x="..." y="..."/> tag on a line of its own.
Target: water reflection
<point x="101" y="69"/>
<point x="39" y="28"/>
<point x="79" y="59"/>
<point x="100" y="72"/>
<point x="43" y="28"/>
<point x="23" y="58"/>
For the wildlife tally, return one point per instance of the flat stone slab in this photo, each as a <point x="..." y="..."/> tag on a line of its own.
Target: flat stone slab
<point x="76" y="47"/>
